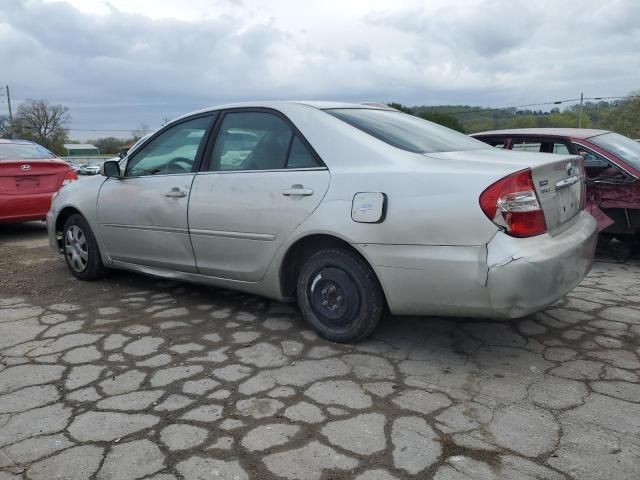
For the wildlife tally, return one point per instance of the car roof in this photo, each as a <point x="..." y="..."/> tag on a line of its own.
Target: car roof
<point x="277" y="104"/>
<point x="16" y="141"/>
<point x="551" y="132"/>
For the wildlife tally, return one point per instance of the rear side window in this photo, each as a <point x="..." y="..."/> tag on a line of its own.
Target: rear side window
<point x="526" y="146"/>
<point x="406" y="131"/>
<point x="251" y="141"/>
<point x="561" y="149"/>
<point x="258" y="141"/>
<point x="494" y="142"/>
<point x="300" y="156"/>
<point x="542" y="145"/>
<point x="24" y="151"/>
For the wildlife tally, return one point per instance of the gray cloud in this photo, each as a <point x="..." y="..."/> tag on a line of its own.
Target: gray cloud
<point x="118" y="69"/>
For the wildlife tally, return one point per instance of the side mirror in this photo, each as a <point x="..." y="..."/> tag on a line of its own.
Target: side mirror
<point x="110" y="168"/>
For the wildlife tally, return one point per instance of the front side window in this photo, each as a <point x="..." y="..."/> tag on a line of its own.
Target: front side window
<point x="591" y="158"/>
<point x="623" y="147"/>
<point x="406" y="131"/>
<point x="251" y="141"/>
<point x="173" y="151"/>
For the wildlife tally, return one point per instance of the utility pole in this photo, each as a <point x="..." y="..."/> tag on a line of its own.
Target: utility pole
<point x="10" y="112"/>
<point x="9" y="103"/>
<point x="580" y="117"/>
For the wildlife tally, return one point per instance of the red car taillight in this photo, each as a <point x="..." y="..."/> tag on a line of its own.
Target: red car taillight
<point x="512" y="203"/>
<point x="71" y="176"/>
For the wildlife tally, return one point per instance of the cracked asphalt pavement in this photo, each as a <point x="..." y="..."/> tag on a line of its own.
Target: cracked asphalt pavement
<point x="134" y="377"/>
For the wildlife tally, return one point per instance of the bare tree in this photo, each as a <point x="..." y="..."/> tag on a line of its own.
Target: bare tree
<point x="140" y="132"/>
<point x="42" y="122"/>
<point x="5" y="127"/>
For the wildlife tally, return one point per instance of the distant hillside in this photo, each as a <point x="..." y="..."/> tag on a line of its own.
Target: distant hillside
<point x="622" y="116"/>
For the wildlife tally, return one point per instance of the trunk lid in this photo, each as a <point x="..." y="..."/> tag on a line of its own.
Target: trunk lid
<point x="559" y="186"/>
<point x="19" y="177"/>
<point x="558" y="179"/>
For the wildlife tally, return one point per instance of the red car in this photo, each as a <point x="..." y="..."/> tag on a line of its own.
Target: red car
<point x="29" y="176"/>
<point x="612" y="165"/>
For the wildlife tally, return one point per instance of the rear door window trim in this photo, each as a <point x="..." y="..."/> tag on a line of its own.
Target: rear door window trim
<point x="204" y="166"/>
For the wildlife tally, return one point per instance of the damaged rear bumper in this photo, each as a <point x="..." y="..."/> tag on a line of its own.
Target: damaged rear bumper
<point x="526" y="275"/>
<point x="507" y="278"/>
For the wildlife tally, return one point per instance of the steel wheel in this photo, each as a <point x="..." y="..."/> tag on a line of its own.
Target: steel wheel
<point x="334" y="297"/>
<point x="76" y="248"/>
<point x="339" y="295"/>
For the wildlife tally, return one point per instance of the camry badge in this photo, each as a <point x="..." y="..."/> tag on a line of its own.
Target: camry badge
<point x="25" y="167"/>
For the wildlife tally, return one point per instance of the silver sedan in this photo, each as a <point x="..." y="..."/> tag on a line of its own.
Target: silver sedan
<point x="350" y="210"/>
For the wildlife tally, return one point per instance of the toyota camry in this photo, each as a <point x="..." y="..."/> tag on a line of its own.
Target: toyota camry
<point x="350" y="210"/>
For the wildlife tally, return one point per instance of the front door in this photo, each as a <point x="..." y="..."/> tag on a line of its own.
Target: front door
<point x="143" y="215"/>
<point x="263" y="180"/>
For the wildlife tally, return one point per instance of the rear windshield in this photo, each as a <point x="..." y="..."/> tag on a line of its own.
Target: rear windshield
<point x="623" y="147"/>
<point x="19" y="151"/>
<point x="406" y="131"/>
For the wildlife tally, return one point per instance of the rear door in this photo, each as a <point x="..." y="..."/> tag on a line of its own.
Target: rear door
<point x="262" y="179"/>
<point x="143" y="215"/>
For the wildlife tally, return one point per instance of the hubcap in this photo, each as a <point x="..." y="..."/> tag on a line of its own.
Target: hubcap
<point x="334" y="297"/>
<point x="76" y="248"/>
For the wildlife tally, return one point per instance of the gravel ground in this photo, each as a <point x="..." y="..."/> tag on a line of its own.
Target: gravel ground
<point x="134" y="377"/>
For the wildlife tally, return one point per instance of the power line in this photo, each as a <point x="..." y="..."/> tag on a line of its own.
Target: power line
<point x="461" y="112"/>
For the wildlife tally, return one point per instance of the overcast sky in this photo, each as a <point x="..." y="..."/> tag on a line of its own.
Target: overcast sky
<point x="119" y="63"/>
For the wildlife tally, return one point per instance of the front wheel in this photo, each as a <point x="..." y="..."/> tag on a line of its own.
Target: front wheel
<point x="339" y="295"/>
<point x="80" y="249"/>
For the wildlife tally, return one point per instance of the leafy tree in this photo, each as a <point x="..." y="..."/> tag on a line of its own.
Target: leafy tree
<point x="402" y="108"/>
<point x="625" y="117"/>
<point x="108" y="145"/>
<point x="43" y="123"/>
<point x="139" y="132"/>
<point x="524" y="121"/>
<point x="443" y="119"/>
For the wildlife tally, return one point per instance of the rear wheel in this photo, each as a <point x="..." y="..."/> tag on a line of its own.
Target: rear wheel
<point x="339" y="295"/>
<point x="81" y="249"/>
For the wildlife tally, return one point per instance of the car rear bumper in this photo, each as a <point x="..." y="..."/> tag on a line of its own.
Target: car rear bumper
<point x="24" y="208"/>
<point x="507" y="278"/>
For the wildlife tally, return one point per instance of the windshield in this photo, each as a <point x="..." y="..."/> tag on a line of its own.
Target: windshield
<point x="406" y="131"/>
<point x="623" y="147"/>
<point x="19" y="151"/>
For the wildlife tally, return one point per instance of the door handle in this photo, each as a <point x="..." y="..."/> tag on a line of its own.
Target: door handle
<point x="297" y="190"/>
<point x="175" y="192"/>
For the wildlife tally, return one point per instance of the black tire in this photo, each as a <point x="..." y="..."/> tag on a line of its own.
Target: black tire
<point x="79" y="242"/>
<point x="339" y="295"/>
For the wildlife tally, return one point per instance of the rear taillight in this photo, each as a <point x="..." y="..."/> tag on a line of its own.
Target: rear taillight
<point x="71" y="176"/>
<point x="512" y="203"/>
